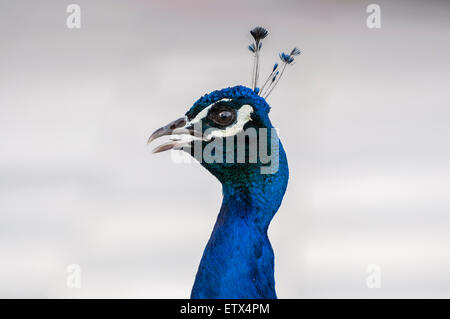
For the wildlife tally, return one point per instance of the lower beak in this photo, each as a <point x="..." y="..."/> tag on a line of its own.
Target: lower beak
<point x="177" y="127"/>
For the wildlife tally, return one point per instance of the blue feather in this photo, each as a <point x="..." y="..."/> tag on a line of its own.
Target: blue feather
<point x="275" y="76"/>
<point x="238" y="261"/>
<point x="287" y="58"/>
<point x="295" y="51"/>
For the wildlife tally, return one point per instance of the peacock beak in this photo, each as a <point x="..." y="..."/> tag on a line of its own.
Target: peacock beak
<point x="168" y="129"/>
<point x="177" y="127"/>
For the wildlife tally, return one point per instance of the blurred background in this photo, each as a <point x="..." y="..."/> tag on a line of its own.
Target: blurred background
<point x="364" y="117"/>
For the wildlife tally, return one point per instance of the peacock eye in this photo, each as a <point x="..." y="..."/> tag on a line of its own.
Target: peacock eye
<point x="222" y="115"/>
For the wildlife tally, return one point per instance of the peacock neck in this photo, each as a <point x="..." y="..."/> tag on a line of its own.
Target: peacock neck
<point x="238" y="261"/>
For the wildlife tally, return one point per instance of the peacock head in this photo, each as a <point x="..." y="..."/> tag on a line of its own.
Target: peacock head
<point x="229" y="131"/>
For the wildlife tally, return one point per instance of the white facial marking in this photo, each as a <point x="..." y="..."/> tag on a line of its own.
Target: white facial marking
<point x="201" y="115"/>
<point x="243" y="116"/>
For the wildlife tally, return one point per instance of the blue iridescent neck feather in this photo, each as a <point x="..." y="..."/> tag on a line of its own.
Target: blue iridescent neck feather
<point x="238" y="261"/>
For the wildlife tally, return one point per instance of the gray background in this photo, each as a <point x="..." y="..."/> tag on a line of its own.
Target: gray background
<point x="364" y="116"/>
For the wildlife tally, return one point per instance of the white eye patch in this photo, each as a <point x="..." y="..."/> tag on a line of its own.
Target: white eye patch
<point x="243" y="116"/>
<point x="201" y="115"/>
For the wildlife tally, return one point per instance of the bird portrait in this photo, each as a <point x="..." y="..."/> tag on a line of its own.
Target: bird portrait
<point x="229" y="132"/>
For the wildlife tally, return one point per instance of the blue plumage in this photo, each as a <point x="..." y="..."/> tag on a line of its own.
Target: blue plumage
<point x="286" y="58"/>
<point x="238" y="261"/>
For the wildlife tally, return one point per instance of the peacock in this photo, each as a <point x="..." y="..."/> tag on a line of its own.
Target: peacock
<point x="229" y="132"/>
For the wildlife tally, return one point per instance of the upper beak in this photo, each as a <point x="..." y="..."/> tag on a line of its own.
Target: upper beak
<point x="176" y="127"/>
<point x="168" y="129"/>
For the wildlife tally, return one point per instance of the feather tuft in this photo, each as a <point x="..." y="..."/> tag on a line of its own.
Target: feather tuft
<point x="275" y="67"/>
<point x="275" y="76"/>
<point x="295" y="51"/>
<point x="286" y="58"/>
<point x="258" y="34"/>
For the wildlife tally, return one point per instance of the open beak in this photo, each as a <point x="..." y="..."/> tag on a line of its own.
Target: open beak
<point x="177" y="127"/>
